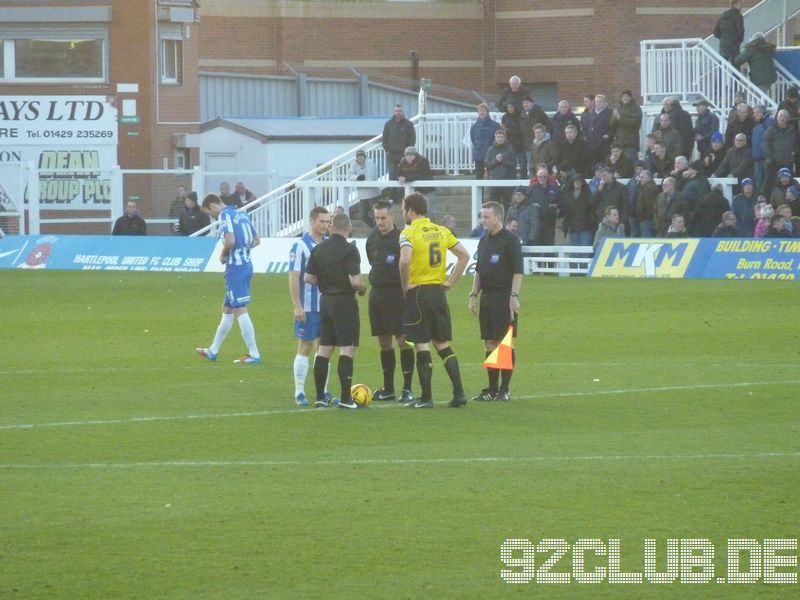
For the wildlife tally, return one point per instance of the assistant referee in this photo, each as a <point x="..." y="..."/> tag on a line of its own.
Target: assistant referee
<point x="426" y="316"/>
<point x="498" y="278"/>
<point x="335" y="266"/>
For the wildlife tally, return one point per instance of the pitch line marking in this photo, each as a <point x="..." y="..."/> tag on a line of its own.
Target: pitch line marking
<point x="295" y="411"/>
<point x="395" y="461"/>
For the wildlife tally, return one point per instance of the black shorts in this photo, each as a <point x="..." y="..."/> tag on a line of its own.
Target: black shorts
<point x="426" y="315"/>
<point x="386" y="310"/>
<point x="495" y="316"/>
<point x="340" y="324"/>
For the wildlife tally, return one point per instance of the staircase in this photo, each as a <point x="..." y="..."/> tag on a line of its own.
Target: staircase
<point x="691" y="69"/>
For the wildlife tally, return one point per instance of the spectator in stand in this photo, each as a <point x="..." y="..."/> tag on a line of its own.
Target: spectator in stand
<point x="682" y="121"/>
<point x="777" y="195"/>
<point x="563" y="117"/>
<point x="594" y="182"/>
<point x="669" y="136"/>
<point x="177" y="205"/>
<point x="714" y="157"/>
<point x="338" y="210"/>
<point x="666" y="107"/>
<point x="543" y="149"/>
<point x="677" y="227"/>
<point x="759" y="54"/>
<point x="501" y="163"/>
<point x="649" y="144"/>
<point x="609" y="227"/>
<point x="482" y="136"/>
<point x="779" y="227"/>
<point x="786" y="212"/>
<point x="791" y="102"/>
<point x="619" y="162"/>
<point x="598" y="131"/>
<point x="363" y="169"/>
<point x="545" y="194"/>
<point x="449" y="221"/>
<point x="588" y="108"/>
<point x="514" y="93"/>
<point x="512" y="226"/>
<point x="669" y="202"/>
<point x="573" y="154"/>
<point x="763" y="120"/>
<point x="780" y="145"/>
<point x="626" y="123"/>
<point x="526" y="215"/>
<point x="579" y="221"/>
<point x="793" y="199"/>
<point x="632" y="189"/>
<point x="728" y="228"/>
<point x="681" y="164"/>
<point x="646" y="204"/>
<point x="130" y="223"/>
<point x="738" y="98"/>
<point x="742" y="123"/>
<point x="738" y="161"/>
<point x="398" y="134"/>
<point x="706" y="125"/>
<point x="764" y="213"/>
<point x="730" y="31"/>
<point x="609" y="193"/>
<point x="478" y="231"/>
<point x="510" y="122"/>
<point x="192" y="218"/>
<point x="743" y="207"/>
<point x="227" y="198"/>
<point x="242" y="196"/>
<point x="709" y="210"/>
<point x="531" y="115"/>
<point x="695" y="189"/>
<point x="415" y="167"/>
<point x="662" y="164"/>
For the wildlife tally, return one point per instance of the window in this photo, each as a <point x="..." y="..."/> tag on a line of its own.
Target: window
<point x="171" y="55"/>
<point x="51" y="54"/>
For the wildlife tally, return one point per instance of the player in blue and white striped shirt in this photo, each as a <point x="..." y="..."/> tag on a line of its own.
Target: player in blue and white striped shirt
<point x="305" y="299"/>
<point x="239" y="237"/>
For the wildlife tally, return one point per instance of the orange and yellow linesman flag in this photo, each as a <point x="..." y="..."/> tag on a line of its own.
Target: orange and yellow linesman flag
<point x="500" y="358"/>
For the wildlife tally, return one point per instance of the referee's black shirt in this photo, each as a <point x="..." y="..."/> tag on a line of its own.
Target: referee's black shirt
<point x="333" y="261"/>
<point x="383" y="254"/>
<point x="499" y="259"/>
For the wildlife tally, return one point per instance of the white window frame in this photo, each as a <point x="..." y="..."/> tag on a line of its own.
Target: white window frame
<point x="10" y="34"/>
<point x="170" y="33"/>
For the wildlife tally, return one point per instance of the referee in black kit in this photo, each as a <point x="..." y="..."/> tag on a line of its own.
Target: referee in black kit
<point x="386" y="300"/>
<point x="335" y="266"/>
<point x="498" y="278"/>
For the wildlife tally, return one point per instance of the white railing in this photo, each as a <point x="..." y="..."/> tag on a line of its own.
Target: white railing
<point x="690" y="70"/>
<point x="558" y="260"/>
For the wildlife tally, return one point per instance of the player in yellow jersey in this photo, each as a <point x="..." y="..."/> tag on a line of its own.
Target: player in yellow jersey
<point x="426" y="316"/>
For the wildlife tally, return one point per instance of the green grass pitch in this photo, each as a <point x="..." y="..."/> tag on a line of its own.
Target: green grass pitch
<point x="130" y="467"/>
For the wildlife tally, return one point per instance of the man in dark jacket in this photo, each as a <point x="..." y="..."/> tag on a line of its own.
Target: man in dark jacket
<point x="695" y="188"/>
<point x="705" y="126"/>
<point x="780" y="144"/>
<point x="398" y="134"/>
<point x="130" y="223"/>
<point x="192" y="218"/>
<point x="573" y="153"/>
<point x="727" y="227"/>
<point x="513" y="93"/>
<point x="415" y="167"/>
<point x="759" y="54"/>
<point x="609" y="193"/>
<point x="563" y="117"/>
<point x="682" y="122"/>
<point x="626" y="121"/>
<point x="598" y="129"/>
<point x="708" y="212"/>
<point x="482" y="136"/>
<point x="743" y="122"/>
<point x="738" y="161"/>
<point x="730" y="31"/>
<point x="501" y="163"/>
<point x="545" y="193"/>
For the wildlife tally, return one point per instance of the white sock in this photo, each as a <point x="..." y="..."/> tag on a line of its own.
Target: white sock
<point x="224" y="327"/>
<point x="300" y="374"/>
<point x="248" y="334"/>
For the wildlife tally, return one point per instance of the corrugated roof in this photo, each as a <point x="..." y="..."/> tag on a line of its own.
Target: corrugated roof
<point x="343" y="128"/>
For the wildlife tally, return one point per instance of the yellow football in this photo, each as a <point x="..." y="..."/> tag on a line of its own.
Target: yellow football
<point x="361" y="394"/>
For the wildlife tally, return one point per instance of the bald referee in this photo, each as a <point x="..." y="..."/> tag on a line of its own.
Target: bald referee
<point x="335" y="266"/>
<point x="498" y="278"/>
<point x="423" y="275"/>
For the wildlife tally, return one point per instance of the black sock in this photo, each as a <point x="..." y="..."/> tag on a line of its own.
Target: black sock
<point x="320" y="375"/>
<point x="388" y="364"/>
<point x="507" y="373"/>
<point x="494" y="375"/>
<point x="450" y="361"/>
<point x="407" y="364"/>
<point x="424" y="372"/>
<point x="345" y="368"/>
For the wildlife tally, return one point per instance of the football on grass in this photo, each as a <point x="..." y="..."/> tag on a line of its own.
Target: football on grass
<point x="361" y="394"/>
